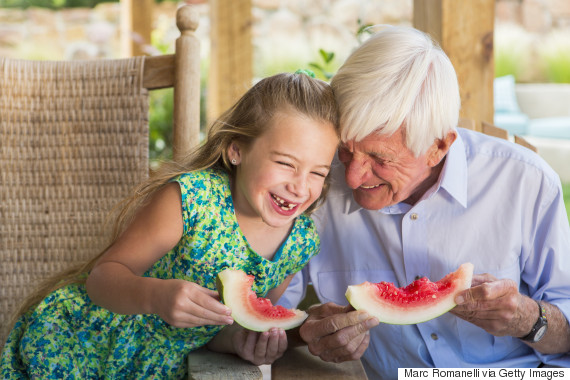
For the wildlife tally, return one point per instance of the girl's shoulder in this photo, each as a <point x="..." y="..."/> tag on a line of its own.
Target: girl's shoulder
<point x="304" y="232"/>
<point x="207" y="175"/>
<point x="203" y="181"/>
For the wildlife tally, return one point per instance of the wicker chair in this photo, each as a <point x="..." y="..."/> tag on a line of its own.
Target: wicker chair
<point x="73" y="142"/>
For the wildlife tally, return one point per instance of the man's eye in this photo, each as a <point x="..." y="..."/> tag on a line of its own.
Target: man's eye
<point x="343" y="153"/>
<point x="380" y="161"/>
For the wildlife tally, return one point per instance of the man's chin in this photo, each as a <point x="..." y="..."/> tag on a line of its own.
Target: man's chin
<point x="368" y="201"/>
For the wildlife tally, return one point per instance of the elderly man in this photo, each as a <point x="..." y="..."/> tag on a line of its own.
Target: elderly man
<point x="416" y="196"/>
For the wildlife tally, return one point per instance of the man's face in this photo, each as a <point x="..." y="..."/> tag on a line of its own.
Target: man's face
<point x="382" y="171"/>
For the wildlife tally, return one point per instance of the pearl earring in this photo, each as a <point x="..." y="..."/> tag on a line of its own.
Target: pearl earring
<point x="234" y="162"/>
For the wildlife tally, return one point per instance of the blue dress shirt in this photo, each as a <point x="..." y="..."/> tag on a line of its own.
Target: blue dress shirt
<point x="497" y="205"/>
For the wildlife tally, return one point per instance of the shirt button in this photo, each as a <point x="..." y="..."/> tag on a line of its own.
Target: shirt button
<point x="434" y="336"/>
<point x="414" y="216"/>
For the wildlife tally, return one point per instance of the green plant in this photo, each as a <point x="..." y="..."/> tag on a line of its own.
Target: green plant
<point x="511" y="46"/>
<point x="566" y="192"/>
<point x="160" y="125"/>
<point x="554" y="57"/>
<point x="326" y="68"/>
<point x="57" y="4"/>
<point x="51" y="4"/>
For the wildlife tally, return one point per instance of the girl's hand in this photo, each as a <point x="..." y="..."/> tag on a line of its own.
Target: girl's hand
<point x="185" y="304"/>
<point x="260" y="348"/>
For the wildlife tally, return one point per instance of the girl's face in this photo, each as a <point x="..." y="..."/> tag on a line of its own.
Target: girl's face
<point x="283" y="171"/>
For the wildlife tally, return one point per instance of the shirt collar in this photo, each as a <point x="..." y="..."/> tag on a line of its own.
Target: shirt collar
<point x="453" y="179"/>
<point x="453" y="176"/>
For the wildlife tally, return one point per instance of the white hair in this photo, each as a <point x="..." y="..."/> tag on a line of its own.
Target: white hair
<point x="398" y="77"/>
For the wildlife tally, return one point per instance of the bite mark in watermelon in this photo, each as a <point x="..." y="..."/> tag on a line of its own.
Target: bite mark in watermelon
<point x="252" y="312"/>
<point x="418" y="302"/>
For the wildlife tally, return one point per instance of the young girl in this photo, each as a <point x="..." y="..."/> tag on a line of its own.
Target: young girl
<point x="241" y="200"/>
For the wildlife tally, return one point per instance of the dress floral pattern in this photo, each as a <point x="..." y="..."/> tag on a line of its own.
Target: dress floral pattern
<point x="67" y="336"/>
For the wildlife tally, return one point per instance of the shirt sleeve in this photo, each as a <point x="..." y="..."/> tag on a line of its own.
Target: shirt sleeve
<point x="547" y="263"/>
<point x="296" y="290"/>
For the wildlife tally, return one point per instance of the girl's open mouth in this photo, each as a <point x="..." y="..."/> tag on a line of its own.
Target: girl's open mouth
<point x="282" y="203"/>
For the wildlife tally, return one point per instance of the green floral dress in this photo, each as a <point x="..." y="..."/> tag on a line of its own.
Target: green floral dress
<point x="67" y="336"/>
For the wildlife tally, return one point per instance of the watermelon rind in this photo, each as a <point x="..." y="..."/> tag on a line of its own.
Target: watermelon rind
<point x="365" y="297"/>
<point x="234" y="287"/>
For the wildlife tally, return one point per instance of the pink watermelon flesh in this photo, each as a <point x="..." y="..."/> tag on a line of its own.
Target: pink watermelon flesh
<point x="264" y="307"/>
<point x="252" y="312"/>
<point x="418" y="293"/>
<point x="420" y="301"/>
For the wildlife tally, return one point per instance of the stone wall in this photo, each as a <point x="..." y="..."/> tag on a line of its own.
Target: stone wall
<point x="286" y="34"/>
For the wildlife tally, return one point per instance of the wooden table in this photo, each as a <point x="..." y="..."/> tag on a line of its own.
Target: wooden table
<point x="297" y="363"/>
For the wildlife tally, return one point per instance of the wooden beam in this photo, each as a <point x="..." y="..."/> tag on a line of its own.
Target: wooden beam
<point x="231" y="54"/>
<point x="464" y="29"/>
<point x="136" y="26"/>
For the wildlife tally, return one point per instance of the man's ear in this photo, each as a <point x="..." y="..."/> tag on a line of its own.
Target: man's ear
<point x="440" y="148"/>
<point x="234" y="153"/>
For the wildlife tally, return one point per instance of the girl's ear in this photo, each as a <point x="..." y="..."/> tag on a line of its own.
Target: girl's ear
<point x="234" y="153"/>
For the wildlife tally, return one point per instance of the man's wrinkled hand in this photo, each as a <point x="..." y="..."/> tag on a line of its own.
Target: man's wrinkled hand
<point x="494" y="305"/>
<point x="337" y="333"/>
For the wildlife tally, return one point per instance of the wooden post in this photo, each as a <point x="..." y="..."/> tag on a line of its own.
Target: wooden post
<point x="136" y="26"/>
<point x="464" y="30"/>
<point x="231" y="55"/>
<point x="186" y="98"/>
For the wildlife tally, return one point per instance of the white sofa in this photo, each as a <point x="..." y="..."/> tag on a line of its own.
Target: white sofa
<point x="541" y="114"/>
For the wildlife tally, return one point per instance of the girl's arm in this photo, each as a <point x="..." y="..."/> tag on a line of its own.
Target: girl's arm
<point x="115" y="282"/>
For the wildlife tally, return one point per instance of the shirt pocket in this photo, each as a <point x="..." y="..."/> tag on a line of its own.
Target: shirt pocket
<point x="331" y="286"/>
<point x="480" y="347"/>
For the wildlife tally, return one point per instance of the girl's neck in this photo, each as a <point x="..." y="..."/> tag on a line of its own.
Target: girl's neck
<point x="262" y="238"/>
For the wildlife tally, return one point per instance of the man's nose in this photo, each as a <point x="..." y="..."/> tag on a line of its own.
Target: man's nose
<point x="356" y="172"/>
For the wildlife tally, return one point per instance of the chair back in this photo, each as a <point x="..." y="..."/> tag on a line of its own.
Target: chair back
<point x="492" y="130"/>
<point x="73" y="143"/>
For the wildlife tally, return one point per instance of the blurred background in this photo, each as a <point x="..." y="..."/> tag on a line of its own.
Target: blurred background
<point x="531" y="51"/>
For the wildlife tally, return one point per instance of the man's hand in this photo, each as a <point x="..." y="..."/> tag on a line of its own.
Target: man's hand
<point x="337" y="333"/>
<point x="496" y="306"/>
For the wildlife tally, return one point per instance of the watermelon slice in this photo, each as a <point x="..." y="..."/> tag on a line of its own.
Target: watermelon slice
<point x="251" y="312"/>
<point x="418" y="302"/>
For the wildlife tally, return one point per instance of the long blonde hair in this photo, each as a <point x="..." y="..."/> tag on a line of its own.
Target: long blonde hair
<point x="244" y="122"/>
